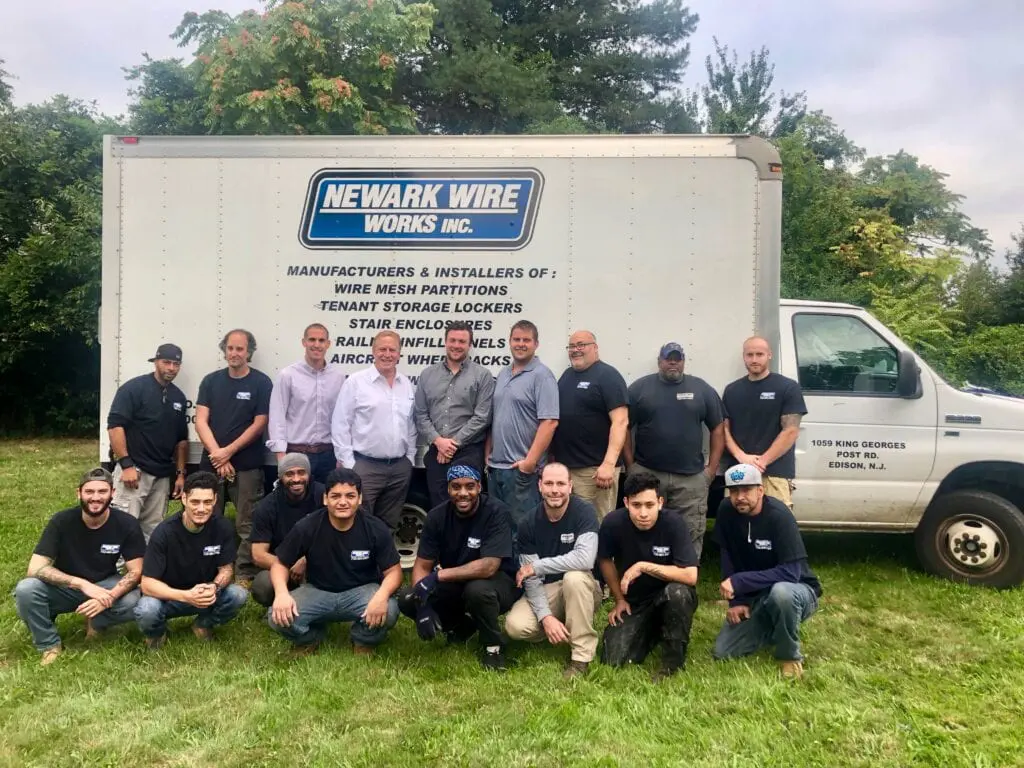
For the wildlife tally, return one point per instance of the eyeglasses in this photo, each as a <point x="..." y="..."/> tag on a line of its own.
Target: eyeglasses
<point x="579" y="345"/>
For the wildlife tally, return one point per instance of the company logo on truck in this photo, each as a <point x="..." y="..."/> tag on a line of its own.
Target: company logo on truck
<point x="406" y="209"/>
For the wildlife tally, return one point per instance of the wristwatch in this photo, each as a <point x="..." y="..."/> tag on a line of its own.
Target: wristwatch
<point x="125" y="462"/>
<point x="180" y="472"/>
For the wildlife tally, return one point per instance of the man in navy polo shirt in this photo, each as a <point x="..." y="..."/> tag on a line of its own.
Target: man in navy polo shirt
<point x="766" y="579"/>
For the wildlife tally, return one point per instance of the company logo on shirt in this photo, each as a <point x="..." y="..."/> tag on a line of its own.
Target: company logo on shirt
<point x="684" y="395"/>
<point x="211" y="550"/>
<point x="110" y="549"/>
<point x="767" y="395"/>
<point x="360" y="554"/>
<point x="583" y="385"/>
<point x="243" y="396"/>
<point x="764" y="544"/>
<point x="473" y="543"/>
<point x="661" y="551"/>
<point x="568" y="538"/>
<point x="178" y="406"/>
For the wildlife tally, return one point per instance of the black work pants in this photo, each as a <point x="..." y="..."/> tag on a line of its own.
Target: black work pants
<point x="666" y="619"/>
<point x="468" y="606"/>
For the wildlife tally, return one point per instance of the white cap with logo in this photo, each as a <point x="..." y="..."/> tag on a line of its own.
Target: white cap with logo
<point x="742" y="474"/>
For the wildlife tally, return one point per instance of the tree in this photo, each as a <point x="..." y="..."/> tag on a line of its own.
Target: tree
<point x="1012" y="294"/>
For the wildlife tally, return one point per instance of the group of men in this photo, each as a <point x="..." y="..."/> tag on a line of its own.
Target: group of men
<point x="319" y="548"/>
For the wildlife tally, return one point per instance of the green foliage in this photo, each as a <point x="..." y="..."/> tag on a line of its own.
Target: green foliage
<point x="991" y="357"/>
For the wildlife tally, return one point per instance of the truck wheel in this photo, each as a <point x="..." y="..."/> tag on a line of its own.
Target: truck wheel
<point x="410" y="527"/>
<point x="973" y="537"/>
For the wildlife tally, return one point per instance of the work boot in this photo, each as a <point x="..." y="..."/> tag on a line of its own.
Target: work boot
<point x="791" y="670"/>
<point x="363" y="650"/>
<point x="494" y="660"/>
<point x="50" y="655"/>
<point x="156" y="643"/>
<point x="575" y="669"/>
<point x="202" y="633"/>
<point x="301" y="651"/>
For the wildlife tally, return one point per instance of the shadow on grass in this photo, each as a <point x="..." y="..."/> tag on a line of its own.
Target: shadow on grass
<point x="838" y="549"/>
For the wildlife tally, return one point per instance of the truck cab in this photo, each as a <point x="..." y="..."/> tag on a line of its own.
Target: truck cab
<point x="887" y="445"/>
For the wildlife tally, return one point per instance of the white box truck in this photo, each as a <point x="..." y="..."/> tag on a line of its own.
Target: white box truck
<point x="641" y="239"/>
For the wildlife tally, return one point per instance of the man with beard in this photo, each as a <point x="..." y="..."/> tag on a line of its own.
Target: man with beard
<point x="762" y="420"/>
<point x="302" y="402"/>
<point x="592" y="423"/>
<point x="148" y="435"/>
<point x="669" y="410"/>
<point x="648" y="562"/>
<point x="464" y="575"/>
<point x="453" y="410"/>
<point x="296" y="496"/>
<point x="74" y="567"/>
<point x="524" y="421"/>
<point x="374" y="432"/>
<point x="189" y="567"/>
<point x="352" y="572"/>
<point x="558" y="547"/>
<point x="766" y="578"/>
<point x="231" y="416"/>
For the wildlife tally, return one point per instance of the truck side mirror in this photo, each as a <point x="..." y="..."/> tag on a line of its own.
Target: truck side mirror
<point x="908" y="382"/>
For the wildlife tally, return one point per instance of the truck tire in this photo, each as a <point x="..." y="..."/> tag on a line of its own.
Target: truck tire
<point x="973" y="537"/>
<point x="410" y="527"/>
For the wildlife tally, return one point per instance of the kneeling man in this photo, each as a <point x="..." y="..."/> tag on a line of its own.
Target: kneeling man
<point x="189" y="567"/>
<point x="766" y="578"/>
<point x="469" y="539"/>
<point x="557" y="550"/>
<point x="352" y="571"/>
<point x="648" y="561"/>
<point x="74" y="567"/>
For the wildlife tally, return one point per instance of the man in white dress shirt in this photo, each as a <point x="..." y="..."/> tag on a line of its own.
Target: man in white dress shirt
<point x="374" y="432"/>
<point x="301" y="404"/>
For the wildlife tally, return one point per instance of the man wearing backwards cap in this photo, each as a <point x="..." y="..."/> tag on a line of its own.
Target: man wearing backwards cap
<point x="295" y="496"/>
<point x="149" y="440"/>
<point x="669" y="410"/>
<point x="469" y="539"/>
<point x="74" y="567"/>
<point x="767" y="581"/>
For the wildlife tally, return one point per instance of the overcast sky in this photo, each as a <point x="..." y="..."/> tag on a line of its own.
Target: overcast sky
<point x="943" y="79"/>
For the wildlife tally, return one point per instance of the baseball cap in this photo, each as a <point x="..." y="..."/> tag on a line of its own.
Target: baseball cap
<point x="742" y="474"/>
<point x="170" y="352"/>
<point x="669" y="348"/>
<point x="96" y="473"/>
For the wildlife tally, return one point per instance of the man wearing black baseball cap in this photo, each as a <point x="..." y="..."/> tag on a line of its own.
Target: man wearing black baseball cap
<point x="149" y="440"/>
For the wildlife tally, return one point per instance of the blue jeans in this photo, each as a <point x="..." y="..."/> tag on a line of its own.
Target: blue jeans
<point x="318" y="608"/>
<point x="774" y="620"/>
<point x="152" y="614"/>
<point x="516" y="489"/>
<point x="320" y="465"/>
<point x="38" y="603"/>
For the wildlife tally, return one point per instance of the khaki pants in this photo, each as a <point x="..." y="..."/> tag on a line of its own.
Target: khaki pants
<point x="147" y="503"/>
<point x="687" y="494"/>
<point x="574" y="600"/>
<point x="584" y="485"/>
<point x="781" y="488"/>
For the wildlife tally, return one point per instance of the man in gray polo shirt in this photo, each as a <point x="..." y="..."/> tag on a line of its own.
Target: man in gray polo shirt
<point x="525" y="419"/>
<point x="453" y="410"/>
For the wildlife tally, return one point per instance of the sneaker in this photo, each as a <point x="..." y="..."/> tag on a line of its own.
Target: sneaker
<point x="791" y="670"/>
<point x="301" y="651"/>
<point x="91" y="633"/>
<point x="202" y="633"/>
<point x="494" y="660"/>
<point x="156" y="643"/>
<point x="575" y="669"/>
<point x="363" y="650"/>
<point x="50" y="655"/>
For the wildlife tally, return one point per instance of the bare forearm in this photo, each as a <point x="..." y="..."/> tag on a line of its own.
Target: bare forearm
<point x="541" y="441"/>
<point x="152" y="587"/>
<point x="627" y="449"/>
<point x="483" y="568"/>
<point x="181" y="455"/>
<point x="261" y="556"/>
<point x="392" y="581"/>
<point x="670" y="573"/>
<point x="118" y="442"/>
<point x="616" y="439"/>
<point x="279" y="577"/>
<point x="785" y="440"/>
<point x="128" y="582"/>
<point x="55" y="577"/>
<point x="716" y="446"/>
<point x="224" y="575"/>
<point x="730" y="442"/>
<point x="611" y="578"/>
<point x="420" y="569"/>
<point x="203" y="429"/>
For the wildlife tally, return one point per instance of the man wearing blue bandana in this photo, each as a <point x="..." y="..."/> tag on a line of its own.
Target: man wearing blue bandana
<point x="464" y="575"/>
<point x="766" y="579"/>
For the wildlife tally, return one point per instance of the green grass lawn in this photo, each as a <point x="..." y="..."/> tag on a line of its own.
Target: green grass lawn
<point x="902" y="669"/>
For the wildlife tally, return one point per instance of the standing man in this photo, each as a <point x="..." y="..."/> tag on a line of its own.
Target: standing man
<point x="558" y="547"/>
<point x="302" y="403"/>
<point x="762" y="420"/>
<point x="148" y="435"/>
<point x="648" y="562"/>
<point x="453" y="410"/>
<point x="592" y="423"/>
<point x="352" y="572"/>
<point x="766" y="579"/>
<point x="469" y="541"/>
<point x="669" y="410"/>
<point x="295" y="496"/>
<point x="525" y="419"/>
<point x="231" y="416"/>
<point x="74" y="567"/>
<point x="374" y="432"/>
<point x="189" y="566"/>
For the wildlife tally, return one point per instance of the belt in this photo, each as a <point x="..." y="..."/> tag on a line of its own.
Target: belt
<point x="375" y="460"/>
<point x="310" y="447"/>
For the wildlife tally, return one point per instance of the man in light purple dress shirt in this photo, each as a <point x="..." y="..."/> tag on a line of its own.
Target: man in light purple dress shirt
<point x="374" y="432"/>
<point x="302" y="402"/>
